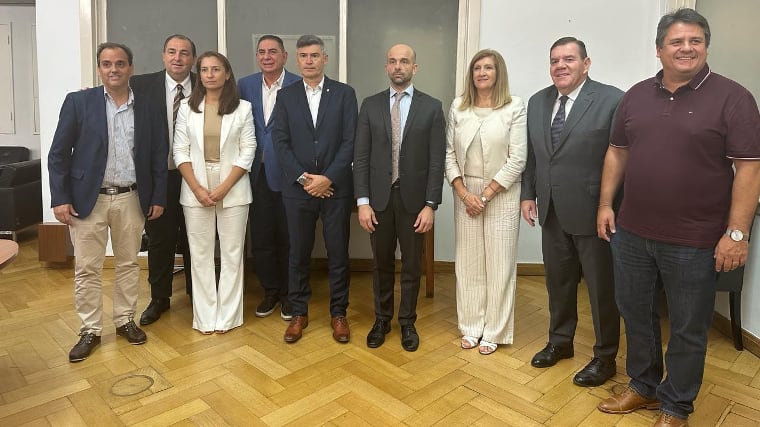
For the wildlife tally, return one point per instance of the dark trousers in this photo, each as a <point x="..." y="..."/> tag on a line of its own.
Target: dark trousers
<point x="302" y="217"/>
<point x="395" y="223"/>
<point x="689" y="280"/>
<point x="166" y="234"/>
<point x="565" y="256"/>
<point x="269" y="238"/>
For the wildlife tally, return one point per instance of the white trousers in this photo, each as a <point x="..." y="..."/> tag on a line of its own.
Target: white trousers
<point x="216" y="308"/>
<point x="122" y="215"/>
<point x="485" y="264"/>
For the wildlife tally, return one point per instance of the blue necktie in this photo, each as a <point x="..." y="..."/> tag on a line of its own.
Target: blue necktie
<point x="559" y="122"/>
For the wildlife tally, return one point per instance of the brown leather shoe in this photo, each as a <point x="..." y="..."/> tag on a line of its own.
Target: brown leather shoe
<point x="295" y="328"/>
<point x="341" y="332"/>
<point x="667" y="420"/>
<point x="627" y="402"/>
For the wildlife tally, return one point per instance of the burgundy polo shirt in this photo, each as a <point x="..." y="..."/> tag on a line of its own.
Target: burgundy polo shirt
<point x="679" y="173"/>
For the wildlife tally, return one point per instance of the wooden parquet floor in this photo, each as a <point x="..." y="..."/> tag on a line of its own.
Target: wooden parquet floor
<point x="250" y="377"/>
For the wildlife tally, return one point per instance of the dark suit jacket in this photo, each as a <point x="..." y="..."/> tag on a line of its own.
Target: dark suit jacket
<point x="152" y="87"/>
<point x="78" y="153"/>
<point x="325" y="149"/>
<point x="250" y="90"/>
<point x="421" y="160"/>
<point x="570" y="175"/>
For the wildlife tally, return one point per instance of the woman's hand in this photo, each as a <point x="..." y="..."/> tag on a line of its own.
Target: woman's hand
<point x="203" y="196"/>
<point x="473" y="205"/>
<point x="218" y="194"/>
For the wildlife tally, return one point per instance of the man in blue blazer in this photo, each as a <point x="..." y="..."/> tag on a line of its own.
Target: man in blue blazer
<point x="107" y="166"/>
<point x="313" y="136"/>
<point x="267" y="215"/>
<point x="165" y="89"/>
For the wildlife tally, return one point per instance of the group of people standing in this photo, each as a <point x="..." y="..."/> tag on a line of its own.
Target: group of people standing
<point x="190" y="152"/>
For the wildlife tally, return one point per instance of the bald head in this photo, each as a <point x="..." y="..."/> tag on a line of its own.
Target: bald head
<point x="401" y="66"/>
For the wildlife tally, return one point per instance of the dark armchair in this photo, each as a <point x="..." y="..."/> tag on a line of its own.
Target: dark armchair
<point x="20" y="196"/>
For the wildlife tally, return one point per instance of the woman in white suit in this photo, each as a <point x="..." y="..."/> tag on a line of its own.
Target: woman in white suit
<point x="486" y="138"/>
<point x="214" y="145"/>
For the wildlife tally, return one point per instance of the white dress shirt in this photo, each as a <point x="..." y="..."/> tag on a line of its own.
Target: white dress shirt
<point x="314" y="95"/>
<point x="571" y="97"/>
<point x="269" y="95"/>
<point x="171" y="92"/>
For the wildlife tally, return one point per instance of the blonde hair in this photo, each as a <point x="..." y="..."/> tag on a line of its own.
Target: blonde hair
<point x="501" y="96"/>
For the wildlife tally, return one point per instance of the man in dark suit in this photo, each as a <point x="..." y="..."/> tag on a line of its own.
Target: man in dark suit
<point x="313" y="136"/>
<point x="107" y="166"/>
<point x="568" y="132"/>
<point x="401" y="133"/>
<point x="267" y="215"/>
<point x="164" y="89"/>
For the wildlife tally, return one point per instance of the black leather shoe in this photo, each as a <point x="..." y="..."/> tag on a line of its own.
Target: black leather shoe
<point x="154" y="310"/>
<point x="596" y="373"/>
<point x="550" y="355"/>
<point x="409" y="338"/>
<point x="267" y="306"/>
<point x="82" y="349"/>
<point x="132" y="333"/>
<point x="376" y="336"/>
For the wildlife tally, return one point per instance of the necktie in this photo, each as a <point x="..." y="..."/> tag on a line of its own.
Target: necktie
<point x="396" y="134"/>
<point x="175" y="107"/>
<point x="559" y="121"/>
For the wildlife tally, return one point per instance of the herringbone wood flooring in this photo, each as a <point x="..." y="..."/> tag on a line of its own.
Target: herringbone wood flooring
<point x="250" y="377"/>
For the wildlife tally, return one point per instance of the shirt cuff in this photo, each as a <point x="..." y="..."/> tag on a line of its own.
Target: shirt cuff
<point x="361" y="201"/>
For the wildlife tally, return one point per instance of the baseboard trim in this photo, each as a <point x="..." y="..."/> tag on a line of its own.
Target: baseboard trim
<point x="723" y="324"/>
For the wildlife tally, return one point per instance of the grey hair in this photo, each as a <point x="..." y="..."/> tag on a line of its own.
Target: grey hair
<point x="310" y="40"/>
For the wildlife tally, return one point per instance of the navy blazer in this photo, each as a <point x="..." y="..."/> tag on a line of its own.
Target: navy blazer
<point x="78" y="153"/>
<point x="250" y="90"/>
<point x="325" y="149"/>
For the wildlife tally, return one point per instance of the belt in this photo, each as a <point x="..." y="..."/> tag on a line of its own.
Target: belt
<point x="117" y="190"/>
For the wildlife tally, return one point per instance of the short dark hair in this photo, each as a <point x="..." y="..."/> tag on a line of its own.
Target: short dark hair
<point x="567" y="40"/>
<point x="181" y="37"/>
<point x="685" y="16"/>
<point x="310" y="40"/>
<point x="111" y="45"/>
<point x="271" y="37"/>
<point x="228" y="100"/>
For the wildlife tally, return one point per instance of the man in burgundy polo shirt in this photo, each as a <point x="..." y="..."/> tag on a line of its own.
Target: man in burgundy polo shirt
<point x="685" y="213"/>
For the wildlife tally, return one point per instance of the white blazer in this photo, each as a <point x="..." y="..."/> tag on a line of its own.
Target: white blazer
<point x="503" y="134"/>
<point x="237" y="146"/>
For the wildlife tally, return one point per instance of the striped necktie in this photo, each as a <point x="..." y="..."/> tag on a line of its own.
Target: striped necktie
<point x="175" y="107"/>
<point x="559" y="121"/>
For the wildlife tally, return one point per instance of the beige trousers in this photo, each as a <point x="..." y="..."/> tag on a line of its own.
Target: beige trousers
<point x="122" y="215"/>
<point x="485" y="264"/>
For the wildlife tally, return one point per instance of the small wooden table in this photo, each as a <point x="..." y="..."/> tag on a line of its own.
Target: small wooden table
<point x="8" y="252"/>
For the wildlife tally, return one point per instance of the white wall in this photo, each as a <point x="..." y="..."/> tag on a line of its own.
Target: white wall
<point x="21" y="19"/>
<point x="59" y="70"/>
<point x="619" y="37"/>
<point x="731" y="24"/>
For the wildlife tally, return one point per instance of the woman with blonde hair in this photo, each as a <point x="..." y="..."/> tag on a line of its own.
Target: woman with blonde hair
<point x="214" y="145"/>
<point x="486" y="152"/>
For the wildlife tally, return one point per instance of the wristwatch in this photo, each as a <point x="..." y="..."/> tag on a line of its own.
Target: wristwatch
<point x="737" y="235"/>
<point x="484" y="199"/>
<point x="432" y="205"/>
<point x="301" y="179"/>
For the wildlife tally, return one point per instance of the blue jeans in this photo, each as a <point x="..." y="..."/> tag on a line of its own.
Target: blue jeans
<point x="689" y="280"/>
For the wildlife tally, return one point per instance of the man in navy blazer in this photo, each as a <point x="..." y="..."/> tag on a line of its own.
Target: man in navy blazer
<point x="268" y="226"/>
<point x="167" y="233"/>
<point x="313" y="136"/>
<point x="107" y="166"/>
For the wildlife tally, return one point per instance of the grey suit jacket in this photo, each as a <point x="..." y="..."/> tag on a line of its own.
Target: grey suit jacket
<point x="421" y="160"/>
<point x="569" y="176"/>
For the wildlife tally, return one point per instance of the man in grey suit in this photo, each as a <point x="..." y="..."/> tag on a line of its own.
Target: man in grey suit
<point x="401" y="133"/>
<point x="568" y="132"/>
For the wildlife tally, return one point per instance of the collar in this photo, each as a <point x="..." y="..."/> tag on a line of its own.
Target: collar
<point x="277" y="83"/>
<point x="130" y="98"/>
<point x="574" y="94"/>
<point x="695" y="82"/>
<point x="409" y="91"/>
<point x="318" y="88"/>
<point x="171" y="84"/>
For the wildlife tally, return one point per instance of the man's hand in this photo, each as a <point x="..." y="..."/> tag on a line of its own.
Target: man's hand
<point x="605" y="222"/>
<point x="63" y="213"/>
<point x="425" y="220"/>
<point x="367" y="218"/>
<point x="154" y="212"/>
<point x="529" y="211"/>
<point x="318" y="185"/>
<point x="730" y="255"/>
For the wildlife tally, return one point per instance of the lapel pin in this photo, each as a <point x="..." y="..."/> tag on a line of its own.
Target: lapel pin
<point x="327" y="90"/>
